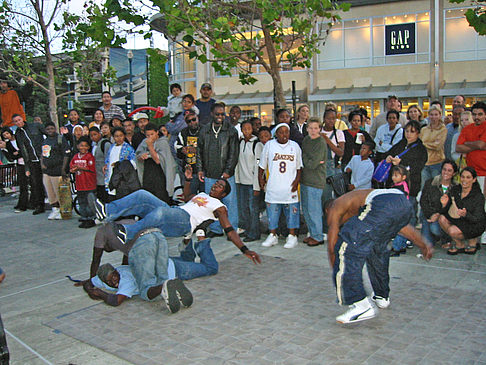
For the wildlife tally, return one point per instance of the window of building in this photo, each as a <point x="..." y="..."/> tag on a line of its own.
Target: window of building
<point x="461" y="41"/>
<point x="361" y="42"/>
<point x="183" y="68"/>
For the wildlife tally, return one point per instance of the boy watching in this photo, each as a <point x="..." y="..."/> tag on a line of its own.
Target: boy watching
<point x="283" y="158"/>
<point x="361" y="167"/>
<point x="83" y="166"/>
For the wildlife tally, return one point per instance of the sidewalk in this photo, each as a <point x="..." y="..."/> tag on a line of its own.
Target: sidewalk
<point x="282" y="312"/>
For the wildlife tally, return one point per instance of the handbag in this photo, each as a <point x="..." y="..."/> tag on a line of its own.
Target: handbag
<point x="383" y="169"/>
<point x="339" y="183"/>
<point x="453" y="210"/>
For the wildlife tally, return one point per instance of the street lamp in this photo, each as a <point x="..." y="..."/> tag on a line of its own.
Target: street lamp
<point x="130" y="81"/>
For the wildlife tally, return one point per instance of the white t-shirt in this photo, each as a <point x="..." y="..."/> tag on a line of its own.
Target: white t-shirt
<point x="339" y="136"/>
<point x="282" y="161"/>
<point x="201" y="208"/>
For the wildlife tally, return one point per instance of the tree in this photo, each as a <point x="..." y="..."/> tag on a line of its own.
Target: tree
<point x="476" y="17"/>
<point x="29" y="31"/>
<point x="237" y="34"/>
<point x="158" y="81"/>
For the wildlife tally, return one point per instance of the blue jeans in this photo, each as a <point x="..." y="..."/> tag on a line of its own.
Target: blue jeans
<point x="154" y="213"/>
<point x="311" y="199"/>
<point x="230" y="201"/>
<point x="84" y="206"/>
<point x="291" y="211"/>
<point x="429" y="172"/>
<point x="139" y="203"/>
<point x="431" y="231"/>
<point x="187" y="269"/>
<point x="148" y="260"/>
<point x="400" y="242"/>
<point x="248" y="212"/>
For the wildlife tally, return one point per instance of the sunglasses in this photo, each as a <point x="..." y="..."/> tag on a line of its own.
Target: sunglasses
<point x="191" y="120"/>
<point x="219" y="114"/>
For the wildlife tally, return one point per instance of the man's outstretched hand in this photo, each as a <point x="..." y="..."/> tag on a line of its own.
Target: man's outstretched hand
<point x="253" y="256"/>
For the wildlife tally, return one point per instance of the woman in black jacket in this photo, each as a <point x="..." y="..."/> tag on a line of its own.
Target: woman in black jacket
<point x="414" y="160"/>
<point x="354" y="137"/>
<point x="430" y="200"/>
<point x="462" y="216"/>
<point x="12" y="152"/>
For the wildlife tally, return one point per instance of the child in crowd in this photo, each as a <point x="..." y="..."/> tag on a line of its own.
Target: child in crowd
<point x="118" y="151"/>
<point x="283" y="158"/>
<point x="174" y="101"/>
<point x="54" y="161"/>
<point x="83" y="166"/>
<point x="400" y="178"/>
<point x="314" y="155"/>
<point x="264" y="135"/>
<point x="361" y="167"/>
<point x="105" y="130"/>
<point x="99" y="149"/>
<point x="244" y="175"/>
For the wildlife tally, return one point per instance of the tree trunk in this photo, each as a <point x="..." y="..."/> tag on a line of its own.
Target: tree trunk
<point x="49" y="66"/>
<point x="274" y="69"/>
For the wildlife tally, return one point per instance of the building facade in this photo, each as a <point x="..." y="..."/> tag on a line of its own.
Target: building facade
<point x="420" y="51"/>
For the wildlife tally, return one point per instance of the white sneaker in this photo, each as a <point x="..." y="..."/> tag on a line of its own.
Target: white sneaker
<point x="240" y="231"/>
<point x="271" y="240"/>
<point x="325" y="237"/>
<point x="291" y="241"/>
<point x="55" y="214"/>
<point x="359" y="311"/>
<point x="381" y="302"/>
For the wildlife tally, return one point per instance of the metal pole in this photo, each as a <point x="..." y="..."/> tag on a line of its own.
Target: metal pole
<point x="294" y="99"/>
<point x="130" y="84"/>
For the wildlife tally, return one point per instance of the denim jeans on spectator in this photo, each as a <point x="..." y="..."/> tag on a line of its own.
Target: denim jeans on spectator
<point x="148" y="260"/>
<point x="328" y="192"/>
<point x="185" y="266"/>
<point x="84" y="207"/>
<point x="311" y="199"/>
<point x="431" y="231"/>
<point x="429" y="172"/>
<point x="400" y="242"/>
<point x="248" y="213"/>
<point x="230" y="201"/>
<point x="291" y="211"/>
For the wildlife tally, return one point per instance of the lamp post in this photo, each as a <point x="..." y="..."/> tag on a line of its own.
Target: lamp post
<point x="130" y="81"/>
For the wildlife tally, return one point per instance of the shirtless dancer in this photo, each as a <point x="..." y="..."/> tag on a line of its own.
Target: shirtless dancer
<point x="361" y="223"/>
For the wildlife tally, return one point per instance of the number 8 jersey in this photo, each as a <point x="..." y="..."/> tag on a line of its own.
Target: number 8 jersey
<point x="282" y="162"/>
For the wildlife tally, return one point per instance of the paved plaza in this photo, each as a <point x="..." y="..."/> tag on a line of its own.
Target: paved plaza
<point x="281" y="312"/>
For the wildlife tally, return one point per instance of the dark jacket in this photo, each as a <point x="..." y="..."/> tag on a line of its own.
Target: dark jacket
<point x="10" y="152"/>
<point x="226" y="149"/>
<point x="124" y="179"/>
<point x="414" y="159"/>
<point x="475" y="219"/>
<point x="295" y="134"/>
<point x="431" y="193"/>
<point x="352" y="148"/>
<point x="30" y="139"/>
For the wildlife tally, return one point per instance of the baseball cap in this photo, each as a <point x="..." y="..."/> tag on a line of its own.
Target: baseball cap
<point x="141" y="116"/>
<point x="206" y="85"/>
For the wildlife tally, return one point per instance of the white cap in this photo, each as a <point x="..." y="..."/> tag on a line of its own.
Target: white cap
<point x="200" y="233"/>
<point x="281" y="125"/>
<point x="141" y="116"/>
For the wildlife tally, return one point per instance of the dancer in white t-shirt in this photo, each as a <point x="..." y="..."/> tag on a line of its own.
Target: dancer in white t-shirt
<point x="283" y="159"/>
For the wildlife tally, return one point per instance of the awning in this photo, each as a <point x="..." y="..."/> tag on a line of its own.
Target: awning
<point x="258" y="97"/>
<point x="370" y="92"/>
<point x="463" y="88"/>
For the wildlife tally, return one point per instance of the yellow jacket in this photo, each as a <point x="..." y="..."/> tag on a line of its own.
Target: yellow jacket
<point x="433" y="140"/>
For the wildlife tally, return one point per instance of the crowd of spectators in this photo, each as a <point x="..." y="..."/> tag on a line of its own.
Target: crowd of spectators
<point x="439" y="162"/>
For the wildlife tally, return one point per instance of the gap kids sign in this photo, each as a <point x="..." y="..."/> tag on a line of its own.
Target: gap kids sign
<point x="399" y="39"/>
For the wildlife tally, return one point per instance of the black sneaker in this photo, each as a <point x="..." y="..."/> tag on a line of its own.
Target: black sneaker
<point x="169" y="294"/>
<point x="120" y="232"/>
<point x="98" y="206"/>
<point x="38" y="211"/>
<point x="88" y="224"/>
<point x="184" y="295"/>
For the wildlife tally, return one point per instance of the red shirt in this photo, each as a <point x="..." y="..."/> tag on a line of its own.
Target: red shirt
<point x="85" y="180"/>
<point x="476" y="158"/>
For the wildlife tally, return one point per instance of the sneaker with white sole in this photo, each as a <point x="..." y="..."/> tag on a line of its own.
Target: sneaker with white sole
<point x="169" y="294"/>
<point x="183" y="293"/>
<point x="271" y="240"/>
<point x="381" y="302"/>
<point x="291" y="241"/>
<point x="55" y="214"/>
<point x="359" y="311"/>
<point x="325" y="237"/>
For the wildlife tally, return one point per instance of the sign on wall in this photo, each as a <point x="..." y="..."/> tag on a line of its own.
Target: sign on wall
<point x="399" y="39"/>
